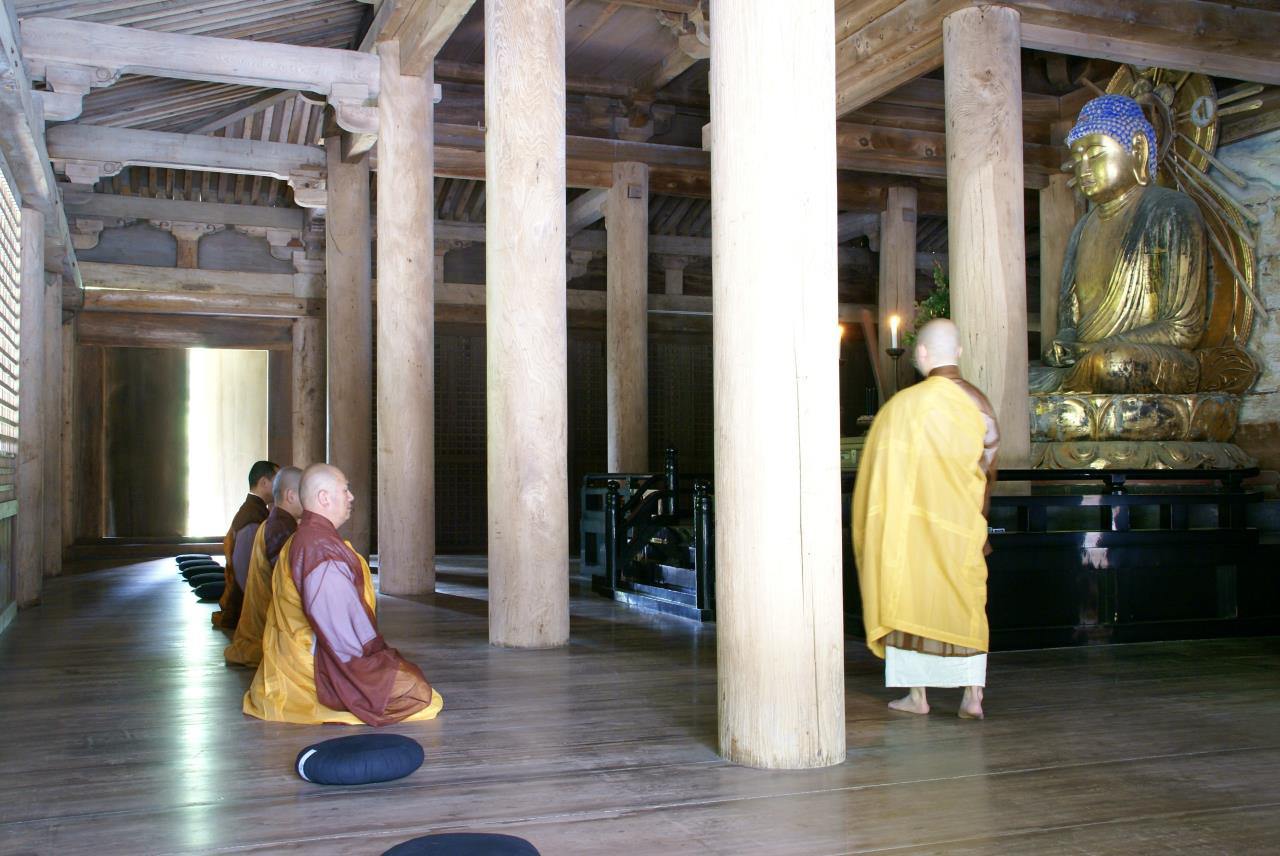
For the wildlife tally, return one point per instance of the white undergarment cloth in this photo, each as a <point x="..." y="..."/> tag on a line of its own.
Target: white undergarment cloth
<point x="912" y="669"/>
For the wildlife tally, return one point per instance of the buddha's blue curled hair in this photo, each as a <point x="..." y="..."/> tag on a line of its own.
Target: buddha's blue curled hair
<point x="1118" y="117"/>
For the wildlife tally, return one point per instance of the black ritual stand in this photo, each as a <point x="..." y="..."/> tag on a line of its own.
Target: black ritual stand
<point x="1079" y="556"/>
<point x="1100" y="556"/>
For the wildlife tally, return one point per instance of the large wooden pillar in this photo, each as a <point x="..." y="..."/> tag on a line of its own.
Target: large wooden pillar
<point x="308" y="399"/>
<point x="780" y="621"/>
<point x="897" y="283"/>
<point x="627" y="319"/>
<point x="280" y="407"/>
<point x="986" y="240"/>
<point x="526" y="333"/>
<point x="406" y="330"/>
<point x="1059" y="212"/>
<point x="349" y="331"/>
<point x="51" y="389"/>
<point x="29" y="538"/>
<point x="70" y="476"/>
<point x="91" y="441"/>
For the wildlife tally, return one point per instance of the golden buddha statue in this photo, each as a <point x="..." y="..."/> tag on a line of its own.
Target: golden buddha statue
<point x="1133" y="299"/>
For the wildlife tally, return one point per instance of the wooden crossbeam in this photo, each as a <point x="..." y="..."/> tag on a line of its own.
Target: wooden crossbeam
<point x="585" y="210"/>
<point x="59" y="43"/>
<point x="109" y="149"/>
<point x="73" y="57"/>
<point x="89" y="204"/>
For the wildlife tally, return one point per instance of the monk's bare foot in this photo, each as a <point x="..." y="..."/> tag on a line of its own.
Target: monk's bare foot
<point x="913" y="702"/>
<point x="971" y="704"/>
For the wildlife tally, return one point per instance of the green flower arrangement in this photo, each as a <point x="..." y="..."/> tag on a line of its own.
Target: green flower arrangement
<point x="936" y="305"/>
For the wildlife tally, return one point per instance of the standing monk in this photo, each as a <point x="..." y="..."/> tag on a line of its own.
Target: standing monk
<point x="246" y="646"/>
<point x="323" y="659"/>
<point x="237" y="545"/>
<point x="920" y="529"/>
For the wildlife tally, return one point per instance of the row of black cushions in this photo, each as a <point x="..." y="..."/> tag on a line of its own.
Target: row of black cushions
<point x="206" y="577"/>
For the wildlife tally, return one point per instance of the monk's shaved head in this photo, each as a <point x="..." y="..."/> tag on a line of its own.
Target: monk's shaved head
<point x="937" y="344"/>
<point x="288" y="479"/>
<point x="325" y="492"/>
<point x="317" y="478"/>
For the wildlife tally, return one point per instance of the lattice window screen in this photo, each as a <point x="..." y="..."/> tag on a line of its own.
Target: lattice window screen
<point x="10" y="301"/>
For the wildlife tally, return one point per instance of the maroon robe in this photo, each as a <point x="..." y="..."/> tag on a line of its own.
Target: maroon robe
<point x="355" y="669"/>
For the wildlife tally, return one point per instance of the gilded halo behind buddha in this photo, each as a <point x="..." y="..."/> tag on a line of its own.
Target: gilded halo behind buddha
<point x="1155" y="310"/>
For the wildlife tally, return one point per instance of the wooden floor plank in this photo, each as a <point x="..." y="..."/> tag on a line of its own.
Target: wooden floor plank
<point x="120" y="732"/>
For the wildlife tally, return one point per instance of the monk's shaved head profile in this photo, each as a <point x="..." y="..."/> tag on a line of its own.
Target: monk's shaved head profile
<point x="937" y="344"/>
<point x="289" y="478"/>
<point x="287" y="490"/>
<point x="325" y="492"/>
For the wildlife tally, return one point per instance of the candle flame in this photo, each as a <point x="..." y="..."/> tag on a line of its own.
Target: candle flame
<point x="894" y="321"/>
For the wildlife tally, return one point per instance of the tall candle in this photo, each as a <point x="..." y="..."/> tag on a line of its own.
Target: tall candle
<point x="894" y="321"/>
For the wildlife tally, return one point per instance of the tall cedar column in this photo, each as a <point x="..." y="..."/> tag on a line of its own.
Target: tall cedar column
<point x="986" y="241"/>
<point x="780" y="621"/>
<point x="1059" y="211"/>
<point x="280" y="407"/>
<point x="308" y="399"/>
<point x="627" y="319"/>
<point x="897" y="281"/>
<point x="349" y="329"/>
<point x="29" y="538"/>
<point x="51" y="389"/>
<point x="526" y="332"/>
<point x="70" y="476"/>
<point x="406" y="330"/>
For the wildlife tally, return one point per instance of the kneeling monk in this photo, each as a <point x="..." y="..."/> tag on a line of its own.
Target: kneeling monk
<point x="238" y="543"/>
<point x="246" y="646"/>
<point x="323" y="659"/>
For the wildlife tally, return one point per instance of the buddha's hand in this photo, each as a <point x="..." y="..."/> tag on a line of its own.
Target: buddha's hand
<point x="1065" y="350"/>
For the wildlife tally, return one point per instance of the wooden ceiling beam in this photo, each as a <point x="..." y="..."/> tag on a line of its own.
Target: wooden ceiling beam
<point x="73" y="57"/>
<point x="585" y="210"/>
<point x="86" y="204"/>
<point x="1191" y="35"/>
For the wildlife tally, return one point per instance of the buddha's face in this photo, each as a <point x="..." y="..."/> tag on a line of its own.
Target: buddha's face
<point x="1105" y="168"/>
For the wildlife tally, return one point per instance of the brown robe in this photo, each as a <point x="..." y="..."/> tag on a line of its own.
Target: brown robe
<point x="355" y="669"/>
<point x="253" y="511"/>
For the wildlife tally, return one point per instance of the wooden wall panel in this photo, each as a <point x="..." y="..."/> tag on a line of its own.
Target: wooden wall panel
<point x="90" y="442"/>
<point x="146" y="441"/>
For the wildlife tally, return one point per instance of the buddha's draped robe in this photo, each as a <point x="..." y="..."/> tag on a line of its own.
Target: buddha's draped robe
<point x="246" y="646"/>
<point x="1138" y="328"/>
<point x="919" y="524"/>
<point x="253" y="511"/>
<point x="323" y="659"/>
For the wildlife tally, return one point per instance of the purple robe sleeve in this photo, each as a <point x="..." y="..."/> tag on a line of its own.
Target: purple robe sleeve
<point x="330" y="597"/>
<point x="243" y="553"/>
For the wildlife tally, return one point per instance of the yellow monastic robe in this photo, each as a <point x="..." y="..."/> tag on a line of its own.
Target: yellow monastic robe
<point x="246" y="647"/>
<point x="284" y="687"/>
<point x="918" y="524"/>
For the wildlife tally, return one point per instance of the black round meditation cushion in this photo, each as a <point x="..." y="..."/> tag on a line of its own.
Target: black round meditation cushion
<point x="186" y="556"/>
<point x="210" y="591"/>
<point x="187" y="563"/>
<point x="205" y="579"/>
<point x="464" y="844"/>
<point x="188" y="573"/>
<point x="359" y="760"/>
